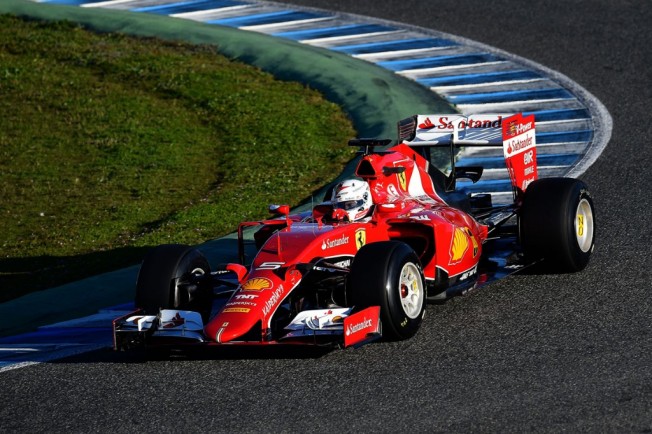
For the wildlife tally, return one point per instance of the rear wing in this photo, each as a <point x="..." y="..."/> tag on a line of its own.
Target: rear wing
<point x="514" y="132"/>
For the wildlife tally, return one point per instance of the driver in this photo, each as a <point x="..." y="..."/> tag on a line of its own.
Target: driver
<point x="352" y="196"/>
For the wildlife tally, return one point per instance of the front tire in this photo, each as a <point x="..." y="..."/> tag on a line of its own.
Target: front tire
<point x="557" y="223"/>
<point x="170" y="277"/>
<point x="388" y="274"/>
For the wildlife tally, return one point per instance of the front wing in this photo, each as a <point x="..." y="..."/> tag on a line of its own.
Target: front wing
<point x="176" y="328"/>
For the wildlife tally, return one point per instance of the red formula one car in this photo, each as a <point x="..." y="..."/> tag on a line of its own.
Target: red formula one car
<point x="364" y="264"/>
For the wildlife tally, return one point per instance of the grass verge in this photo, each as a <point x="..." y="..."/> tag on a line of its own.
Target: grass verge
<point x="110" y="144"/>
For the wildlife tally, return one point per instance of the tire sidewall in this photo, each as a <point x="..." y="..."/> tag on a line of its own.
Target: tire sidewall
<point x="547" y="223"/>
<point x="374" y="280"/>
<point x="157" y="285"/>
<point x="403" y="325"/>
<point x="576" y="257"/>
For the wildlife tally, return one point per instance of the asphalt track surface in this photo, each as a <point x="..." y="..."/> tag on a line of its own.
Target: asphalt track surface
<point x="529" y="353"/>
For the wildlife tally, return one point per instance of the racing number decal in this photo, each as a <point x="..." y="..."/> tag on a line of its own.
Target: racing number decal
<point x="360" y="238"/>
<point x="270" y="265"/>
<point x="580" y="225"/>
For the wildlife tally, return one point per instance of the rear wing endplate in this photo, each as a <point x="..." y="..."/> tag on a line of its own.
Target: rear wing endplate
<point x="516" y="133"/>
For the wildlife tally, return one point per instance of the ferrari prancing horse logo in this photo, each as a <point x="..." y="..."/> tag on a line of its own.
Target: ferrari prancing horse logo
<point x="360" y="238"/>
<point x="402" y="181"/>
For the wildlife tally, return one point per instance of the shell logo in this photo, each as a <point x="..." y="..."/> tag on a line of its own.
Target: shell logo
<point x="511" y="128"/>
<point x="459" y="246"/>
<point x="257" y="284"/>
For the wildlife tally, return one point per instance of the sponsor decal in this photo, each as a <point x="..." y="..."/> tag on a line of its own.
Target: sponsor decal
<point x="490" y="122"/>
<point x="341" y="264"/>
<point x="218" y="335"/>
<point x="446" y="123"/>
<point x="519" y="137"/>
<point x="426" y="124"/>
<point x="328" y="243"/>
<point x="246" y="296"/>
<point x="392" y="191"/>
<point x="344" y="264"/>
<point x="459" y="246"/>
<point x="355" y="328"/>
<point x="257" y="284"/>
<point x="516" y="145"/>
<point x="469" y="273"/>
<point x="379" y="188"/>
<point x="424" y="198"/>
<point x="358" y="326"/>
<point x="402" y="181"/>
<point x="360" y="238"/>
<point x="511" y="128"/>
<point x="514" y="266"/>
<point x="580" y="225"/>
<point x="525" y="183"/>
<point x="342" y="187"/>
<point x="474" y="242"/>
<point x="423" y="217"/>
<point x="236" y="310"/>
<point x="241" y="303"/>
<point x="517" y="125"/>
<point x="360" y="214"/>
<point x="273" y="300"/>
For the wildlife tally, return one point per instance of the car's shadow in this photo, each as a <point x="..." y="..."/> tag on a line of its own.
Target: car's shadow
<point x="108" y="355"/>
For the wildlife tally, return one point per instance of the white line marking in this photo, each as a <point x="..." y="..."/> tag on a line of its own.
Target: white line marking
<point x="372" y="57"/>
<point x="214" y="13"/>
<point x="105" y="4"/>
<point x="289" y="24"/>
<point x="319" y="41"/>
<point x="449" y="90"/>
<point x="419" y="72"/>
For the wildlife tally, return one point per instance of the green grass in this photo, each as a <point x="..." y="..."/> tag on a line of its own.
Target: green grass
<point x="110" y="144"/>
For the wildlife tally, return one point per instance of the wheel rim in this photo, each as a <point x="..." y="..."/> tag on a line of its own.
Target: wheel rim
<point x="584" y="225"/>
<point x="411" y="290"/>
<point x="198" y="272"/>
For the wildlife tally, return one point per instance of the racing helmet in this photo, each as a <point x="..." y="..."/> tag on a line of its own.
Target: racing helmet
<point x="354" y="197"/>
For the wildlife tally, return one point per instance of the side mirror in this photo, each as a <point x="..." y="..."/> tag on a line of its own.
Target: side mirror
<point x="239" y="270"/>
<point x="280" y="209"/>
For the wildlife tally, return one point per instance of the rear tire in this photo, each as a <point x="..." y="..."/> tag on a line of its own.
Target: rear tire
<point x="557" y="224"/>
<point x="170" y="278"/>
<point x="388" y="274"/>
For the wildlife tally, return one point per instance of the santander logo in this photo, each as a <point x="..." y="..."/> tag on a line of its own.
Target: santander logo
<point x="327" y="244"/>
<point x="362" y="326"/>
<point x="353" y="328"/>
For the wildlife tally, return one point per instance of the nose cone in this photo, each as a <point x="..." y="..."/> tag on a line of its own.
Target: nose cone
<point x="251" y="307"/>
<point x="230" y="325"/>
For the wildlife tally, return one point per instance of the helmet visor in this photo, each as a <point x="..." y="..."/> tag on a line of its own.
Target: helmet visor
<point x="349" y="204"/>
